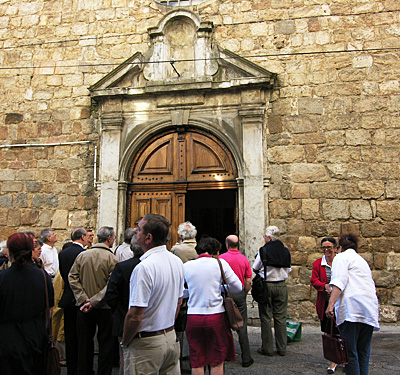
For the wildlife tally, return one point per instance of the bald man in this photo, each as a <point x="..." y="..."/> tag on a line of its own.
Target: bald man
<point x="241" y="266"/>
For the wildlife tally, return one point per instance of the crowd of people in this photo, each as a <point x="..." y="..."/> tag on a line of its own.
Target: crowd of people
<point x="152" y="303"/>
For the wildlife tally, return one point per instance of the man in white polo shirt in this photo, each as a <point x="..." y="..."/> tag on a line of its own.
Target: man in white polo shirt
<point x="156" y="289"/>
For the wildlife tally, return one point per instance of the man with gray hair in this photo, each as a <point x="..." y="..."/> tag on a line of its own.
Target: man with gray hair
<point x="186" y="249"/>
<point x="88" y="279"/>
<point x="49" y="255"/>
<point x="274" y="259"/>
<point x="123" y="251"/>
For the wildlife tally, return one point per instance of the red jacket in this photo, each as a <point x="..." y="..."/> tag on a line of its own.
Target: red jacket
<point x="318" y="281"/>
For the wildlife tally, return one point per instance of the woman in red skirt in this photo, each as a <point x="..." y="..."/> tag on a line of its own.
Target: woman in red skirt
<point x="209" y="336"/>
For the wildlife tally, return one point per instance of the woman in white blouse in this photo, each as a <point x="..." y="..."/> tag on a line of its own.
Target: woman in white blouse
<point x="209" y="336"/>
<point x="356" y="304"/>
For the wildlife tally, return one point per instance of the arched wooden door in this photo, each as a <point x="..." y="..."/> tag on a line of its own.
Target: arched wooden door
<point x="169" y="166"/>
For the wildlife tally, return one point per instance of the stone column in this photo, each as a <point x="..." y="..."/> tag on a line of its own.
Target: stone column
<point x="253" y="191"/>
<point x="111" y="126"/>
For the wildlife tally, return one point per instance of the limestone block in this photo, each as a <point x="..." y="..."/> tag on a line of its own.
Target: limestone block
<point x="383" y="296"/>
<point x="60" y="219"/>
<point x="334" y="190"/>
<point x="393" y="262"/>
<point x="361" y="210"/>
<point x="300" y="191"/>
<point x="372" y="229"/>
<point x="73" y="80"/>
<point x="7" y="175"/>
<point x="325" y="228"/>
<point x="380" y="261"/>
<point x="358" y="137"/>
<point x="296" y="227"/>
<point x="11" y="186"/>
<point x="314" y="256"/>
<point x="308" y="172"/>
<point x="310" y="106"/>
<point x="21" y="200"/>
<point x="14" y="218"/>
<point x="371" y="189"/>
<point x="26" y="175"/>
<point x="298" y="258"/>
<point x="396" y="296"/>
<point x="29" y="217"/>
<point x="6" y="201"/>
<point x="393" y="189"/>
<point x="391" y="229"/>
<point x="369" y="258"/>
<point x="298" y="292"/>
<point x="363" y="61"/>
<point x="388" y="210"/>
<point x="310" y="209"/>
<point x="274" y="124"/>
<point x="45" y="200"/>
<point x="384" y="279"/>
<point x="350" y="227"/>
<point x="388" y="314"/>
<point x="33" y="187"/>
<point x="335" y="209"/>
<point x="307" y="244"/>
<point x="313" y="138"/>
<point x="284" y="208"/>
<point x="285" y="27"/>
<point x="305" y="276"/>
<point x="77" y="219"/>
<point x="286" y="154"/>
<point x="3" y="217"/>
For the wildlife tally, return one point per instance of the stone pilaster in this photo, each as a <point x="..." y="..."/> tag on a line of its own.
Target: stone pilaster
<point x="111" y="127"/>
<point x="253" y="192"/>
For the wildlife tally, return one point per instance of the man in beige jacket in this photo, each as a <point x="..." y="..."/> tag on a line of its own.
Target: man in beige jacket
<point x="88" y="279"/>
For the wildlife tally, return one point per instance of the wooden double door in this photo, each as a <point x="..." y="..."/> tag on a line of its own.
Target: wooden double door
<point x="185" y="175"/>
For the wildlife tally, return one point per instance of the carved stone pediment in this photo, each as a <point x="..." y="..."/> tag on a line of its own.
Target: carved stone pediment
<point x="182" y="56"/>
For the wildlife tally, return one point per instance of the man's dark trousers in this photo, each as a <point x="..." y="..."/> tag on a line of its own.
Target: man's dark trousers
<point x="86" y="324"/>
<point x="240" y="300"/>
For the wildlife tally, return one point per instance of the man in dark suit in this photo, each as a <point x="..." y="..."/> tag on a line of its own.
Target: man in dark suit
<point x="66" y="259"/>
<point x="117" y="294"/>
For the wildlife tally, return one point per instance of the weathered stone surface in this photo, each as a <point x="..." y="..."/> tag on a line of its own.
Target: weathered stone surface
<point x="385" y="279"/>
<point x="393" y="262"/>
<point x="6" y="201"/>
<point x="298" y="292"/>
<point x="334" y="209"/>
<point x="388" y="314"/>
<point x="308" y="172"/>
<point x="388" y="210"/>
<point x="60" y="219"/>
<point x="29" y="217"/>
<point x="396" y="296"/>
<point x="310" y="209"/>
<point x="284" y="209"/>
<point x="45" y="200"/>
<point x="286" y="154"/>
<point x="21" y="200"/>
<point x="361" y="210"/>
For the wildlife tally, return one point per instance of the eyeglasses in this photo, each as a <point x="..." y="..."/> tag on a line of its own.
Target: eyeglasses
<point x="327" y="247"/>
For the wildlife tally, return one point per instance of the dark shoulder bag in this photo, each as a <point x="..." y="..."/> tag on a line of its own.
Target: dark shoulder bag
<point x="232" y="312"/>
<point x="52" y="357"/>
<point x="335" y="347"/>
<point x="259" y="289"/>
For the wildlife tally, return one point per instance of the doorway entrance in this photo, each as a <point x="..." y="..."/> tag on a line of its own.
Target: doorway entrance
<point x="213" y="212"/>
<point x="185" y="175"/>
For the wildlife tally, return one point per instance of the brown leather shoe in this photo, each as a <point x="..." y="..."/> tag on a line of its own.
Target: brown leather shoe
<point x="263" y="352"/>
<point x="282" y="353"/>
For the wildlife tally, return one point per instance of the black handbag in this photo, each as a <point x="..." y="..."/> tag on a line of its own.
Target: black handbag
<point x="232" y="313"/>
<point x="335" y="347"/>
<point x="259" y="286"/>
<point x="52" y="356"/>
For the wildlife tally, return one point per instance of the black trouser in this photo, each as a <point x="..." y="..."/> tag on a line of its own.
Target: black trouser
<point x="71" y="339"/>
<point x="86" y="324"/>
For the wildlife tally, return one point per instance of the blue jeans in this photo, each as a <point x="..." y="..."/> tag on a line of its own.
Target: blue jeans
<point x="358" y="338"/>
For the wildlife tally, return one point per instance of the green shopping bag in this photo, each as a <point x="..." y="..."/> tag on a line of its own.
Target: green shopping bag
<point x="293" y="330"/>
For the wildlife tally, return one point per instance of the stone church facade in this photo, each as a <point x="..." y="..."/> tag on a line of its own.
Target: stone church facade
<point x="232" y="114"/>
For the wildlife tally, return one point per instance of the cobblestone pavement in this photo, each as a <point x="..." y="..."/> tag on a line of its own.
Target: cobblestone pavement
<point x="306" y="357"/>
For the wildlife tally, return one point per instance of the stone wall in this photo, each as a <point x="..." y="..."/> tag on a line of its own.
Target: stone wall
<point x="332" y="128"/>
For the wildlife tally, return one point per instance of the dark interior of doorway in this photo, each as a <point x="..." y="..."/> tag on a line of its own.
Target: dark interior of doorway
<point x="212" y="212"/>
